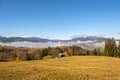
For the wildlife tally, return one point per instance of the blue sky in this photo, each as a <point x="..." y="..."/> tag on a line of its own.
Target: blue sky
<point x="60" y="19"/>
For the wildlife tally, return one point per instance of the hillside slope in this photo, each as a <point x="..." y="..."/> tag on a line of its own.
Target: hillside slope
<point x="68" y="68"/>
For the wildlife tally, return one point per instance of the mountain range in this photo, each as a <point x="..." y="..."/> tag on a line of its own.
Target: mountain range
<point x="37" y="39"/>
<point x="87" y="42"/>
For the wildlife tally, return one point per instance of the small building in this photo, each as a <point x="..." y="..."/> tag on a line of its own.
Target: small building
<point x="64" y="54"/>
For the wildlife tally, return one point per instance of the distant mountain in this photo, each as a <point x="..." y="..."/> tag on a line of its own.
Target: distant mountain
<point x="91" y="38"/>
<point x="88" y="42"/>
<point x="20" y="39"/>
<point x="36" y="39"/>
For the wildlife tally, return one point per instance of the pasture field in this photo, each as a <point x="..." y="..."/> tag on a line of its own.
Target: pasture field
<point x="67" y="68"/>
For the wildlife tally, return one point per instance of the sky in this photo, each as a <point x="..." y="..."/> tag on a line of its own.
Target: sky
<point x="60" y="19"/>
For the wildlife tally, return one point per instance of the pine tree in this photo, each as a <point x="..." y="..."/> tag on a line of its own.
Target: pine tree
<point x="118" y="51"/>
<point x="114" y="48"/>
<point x="95" y="52"/>
<point x="99" y="52"/>
<point x="87" y="52"/>
<point x="44" y="52"/>
<point x="110" y="48"/>
<point x="106" y="47"/>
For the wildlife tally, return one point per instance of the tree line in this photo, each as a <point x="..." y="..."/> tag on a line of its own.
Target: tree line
<point x="21" y="53"/>
<point x="8" y="53"/>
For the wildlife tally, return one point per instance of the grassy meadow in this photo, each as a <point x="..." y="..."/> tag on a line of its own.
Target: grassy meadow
<point x="67" y="68"/>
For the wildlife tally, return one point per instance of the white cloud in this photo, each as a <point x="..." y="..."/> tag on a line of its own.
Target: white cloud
<point x="118" y="33"/>
<point x="101" y="35"/>
<point x="81" y="35"/>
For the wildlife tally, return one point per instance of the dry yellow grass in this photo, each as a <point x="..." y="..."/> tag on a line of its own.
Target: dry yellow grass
<point x="68" y="68"/>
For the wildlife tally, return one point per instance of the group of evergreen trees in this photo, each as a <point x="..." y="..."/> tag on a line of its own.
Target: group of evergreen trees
<point x="111" y="48"/>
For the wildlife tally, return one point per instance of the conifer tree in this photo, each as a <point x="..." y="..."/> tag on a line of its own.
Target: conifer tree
<point x="95" y="52"/>
<point x="110" y="47"/>
<point x="118" y="51"/>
